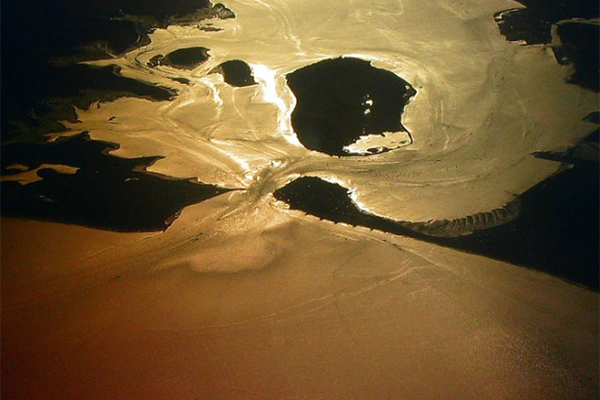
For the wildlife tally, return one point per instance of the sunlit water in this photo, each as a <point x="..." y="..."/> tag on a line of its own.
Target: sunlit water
<point x="483" y="105"/>
<point x="245" y="296"/>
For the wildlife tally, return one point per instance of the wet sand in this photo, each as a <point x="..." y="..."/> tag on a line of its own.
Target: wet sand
<point x="360" y="315"/>
<point x="243" y="297"/>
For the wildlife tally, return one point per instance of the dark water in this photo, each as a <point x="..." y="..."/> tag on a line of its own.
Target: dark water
<point x="341" y="99"/>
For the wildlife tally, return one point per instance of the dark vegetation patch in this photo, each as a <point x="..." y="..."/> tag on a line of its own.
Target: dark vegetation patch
<point x="188" y="58"/>
<point x="556" y="230"/>
<point x="41" y="40"/>
<point x="532" y="24"/>
<point x="339" y="100"/>
<point x="106" y="192"/>
<point x="524" y="24"/>
<point x="585" y="152"/>
<point x="73" y="85"/>
<point x="236" y="73"/>
<point x="185" y="81"/>
<point x="579" y="43"/>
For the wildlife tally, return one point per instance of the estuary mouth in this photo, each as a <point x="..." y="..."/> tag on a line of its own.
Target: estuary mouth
<point x="441" y="143"/>
<point x="294" y="199"/>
